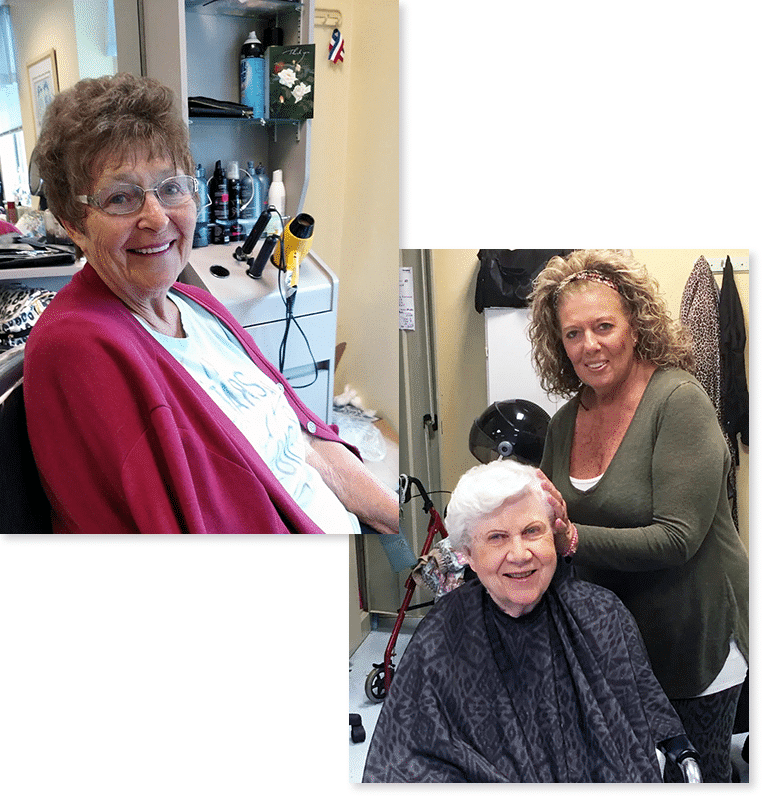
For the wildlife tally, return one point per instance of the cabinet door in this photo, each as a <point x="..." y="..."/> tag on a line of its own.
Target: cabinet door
<point x="310" y="377"/>
<point x="509" y="370"/>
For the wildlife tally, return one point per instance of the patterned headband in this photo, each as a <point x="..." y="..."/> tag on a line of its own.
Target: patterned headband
<point x="585" y="275"/>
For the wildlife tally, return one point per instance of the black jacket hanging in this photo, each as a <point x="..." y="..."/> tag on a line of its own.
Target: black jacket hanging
<point x="735" y="398"/>
<point x="505" y="276"/>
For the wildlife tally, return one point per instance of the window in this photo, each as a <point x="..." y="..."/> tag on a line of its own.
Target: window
<point x="14" y="180"/>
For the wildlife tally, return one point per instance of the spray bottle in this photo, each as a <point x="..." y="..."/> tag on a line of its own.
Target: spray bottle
<point x="252" y="68"/>
<point x="219" y="200"/>
<point x="249" y="199"/>
<point x="233" y="199"/>
<point x="262" y="186"/>
<point x="201" y="226"/>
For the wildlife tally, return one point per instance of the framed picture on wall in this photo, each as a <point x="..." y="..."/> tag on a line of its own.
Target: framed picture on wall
<point x="44" y="84"/>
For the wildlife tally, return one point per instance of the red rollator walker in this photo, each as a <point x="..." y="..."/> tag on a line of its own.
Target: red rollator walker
<point x="379" y="679"/>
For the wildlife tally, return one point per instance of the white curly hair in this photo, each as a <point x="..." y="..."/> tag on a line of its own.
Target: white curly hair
<point x="482" y="490"/>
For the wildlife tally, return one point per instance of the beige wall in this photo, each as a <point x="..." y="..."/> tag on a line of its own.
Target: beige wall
<point x="460" y="338"/>
<point x="39" y="27"/>
<point x="461" y="358"/>
<point x="353" y="194"/>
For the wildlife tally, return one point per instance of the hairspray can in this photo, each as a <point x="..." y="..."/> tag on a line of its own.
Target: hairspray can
<point x="252" y="75"/>
<point x="201" y="226"/>
<point x="233" y="199"/>
<point x="220" y="205"/>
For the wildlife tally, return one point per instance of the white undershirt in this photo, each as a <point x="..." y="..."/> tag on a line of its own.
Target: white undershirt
<point x="584" y="484"/>
<point x="735" y="669"/>
<point x="214" y="357"/>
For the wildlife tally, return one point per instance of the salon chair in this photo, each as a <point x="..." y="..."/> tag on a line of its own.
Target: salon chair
<point x="24" y="507"/>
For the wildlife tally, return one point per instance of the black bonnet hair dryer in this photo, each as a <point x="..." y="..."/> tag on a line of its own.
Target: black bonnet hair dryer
<point x="510" y="429"/>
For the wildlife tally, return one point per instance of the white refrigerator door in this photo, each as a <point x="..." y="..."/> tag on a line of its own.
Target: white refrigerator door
<point x="509" y="371"/>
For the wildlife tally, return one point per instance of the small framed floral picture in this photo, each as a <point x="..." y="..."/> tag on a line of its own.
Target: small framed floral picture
<point x="44" y="84"/>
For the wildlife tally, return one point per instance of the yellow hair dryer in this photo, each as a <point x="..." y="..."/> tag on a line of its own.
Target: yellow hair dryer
<point x="295" y="245"/>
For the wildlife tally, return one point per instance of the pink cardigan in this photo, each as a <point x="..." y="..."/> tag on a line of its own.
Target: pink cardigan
<point x="7" y="227"/>
<point x="127" y="442"/>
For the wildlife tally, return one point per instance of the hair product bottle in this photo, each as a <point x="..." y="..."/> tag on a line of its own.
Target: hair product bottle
<point x="272" y="35"/>
<point x="252" y="75"/>
<point x="249" y="199"/>
<point x="248" y="212"/>
<point x="262" y="186"/>
<point x="220" y="205"/>
<point x="233" y="199"/>
<point x="201" y="238"/>
<point x="276" y="197"/>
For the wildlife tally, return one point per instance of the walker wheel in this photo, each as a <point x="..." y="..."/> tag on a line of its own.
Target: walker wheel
<point x="375" y="685"/>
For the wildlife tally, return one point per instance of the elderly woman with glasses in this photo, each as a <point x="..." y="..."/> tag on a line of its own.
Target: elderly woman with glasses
<point x="150" y="410"/>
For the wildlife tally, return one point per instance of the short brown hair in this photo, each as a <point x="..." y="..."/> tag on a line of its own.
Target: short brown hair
<point x="661" y="340"/>
<point x="100" y="120"/>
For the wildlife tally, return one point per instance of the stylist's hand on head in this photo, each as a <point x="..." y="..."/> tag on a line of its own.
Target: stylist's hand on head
<point x="563" y="530"/>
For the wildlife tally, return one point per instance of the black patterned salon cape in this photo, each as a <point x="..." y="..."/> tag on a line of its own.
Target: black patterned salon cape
<point x="562" y="694"/>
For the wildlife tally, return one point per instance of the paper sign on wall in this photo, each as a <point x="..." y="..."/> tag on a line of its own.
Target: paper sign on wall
<point x="406" y="300"/>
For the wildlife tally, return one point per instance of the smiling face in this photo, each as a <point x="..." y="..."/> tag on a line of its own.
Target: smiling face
<point x="597" y="336"/>
<point x="138" y="255"/>
<point x="513" y="553"/>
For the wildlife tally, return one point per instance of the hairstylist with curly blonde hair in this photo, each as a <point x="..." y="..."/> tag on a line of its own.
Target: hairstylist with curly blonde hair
<point x="636" y="466"/>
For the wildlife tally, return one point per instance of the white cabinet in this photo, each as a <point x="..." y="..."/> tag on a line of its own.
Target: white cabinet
<point x="193" y="46"/>
<point x="256" y="303"/>
<point x="509" y="370"/>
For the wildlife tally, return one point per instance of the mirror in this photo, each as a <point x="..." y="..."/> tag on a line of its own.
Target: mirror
<point x="36" y="183"/>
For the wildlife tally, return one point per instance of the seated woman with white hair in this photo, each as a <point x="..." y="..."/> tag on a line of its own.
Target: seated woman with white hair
<point x="526" y="674"/>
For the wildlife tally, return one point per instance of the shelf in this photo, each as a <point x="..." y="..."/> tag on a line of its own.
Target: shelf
<point x="34" y="273"/>
<point x="249" y="8"/>
<point x="218" y="117"/>
<point x="264" y="123"/>
<point x="247" y="120"/>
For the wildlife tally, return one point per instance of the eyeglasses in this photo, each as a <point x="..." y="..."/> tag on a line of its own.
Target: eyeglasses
<point x="126" y="198"/>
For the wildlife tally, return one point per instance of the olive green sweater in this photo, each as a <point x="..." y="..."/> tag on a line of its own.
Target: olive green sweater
<point x="657" y="530"/>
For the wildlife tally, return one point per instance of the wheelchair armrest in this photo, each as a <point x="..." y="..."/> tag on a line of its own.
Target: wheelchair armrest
<point x="680" y="751"/>
<point x="677" y="748"/>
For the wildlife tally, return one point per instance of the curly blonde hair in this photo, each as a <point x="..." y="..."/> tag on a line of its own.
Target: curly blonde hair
<point x="661" y="340"/>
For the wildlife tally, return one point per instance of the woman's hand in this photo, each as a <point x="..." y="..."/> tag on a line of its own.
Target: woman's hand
<point x="372" y="501"/>
<point x="563" y="529"/>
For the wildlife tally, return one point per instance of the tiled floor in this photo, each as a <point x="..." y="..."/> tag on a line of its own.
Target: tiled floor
<point x="372" y="650"/>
